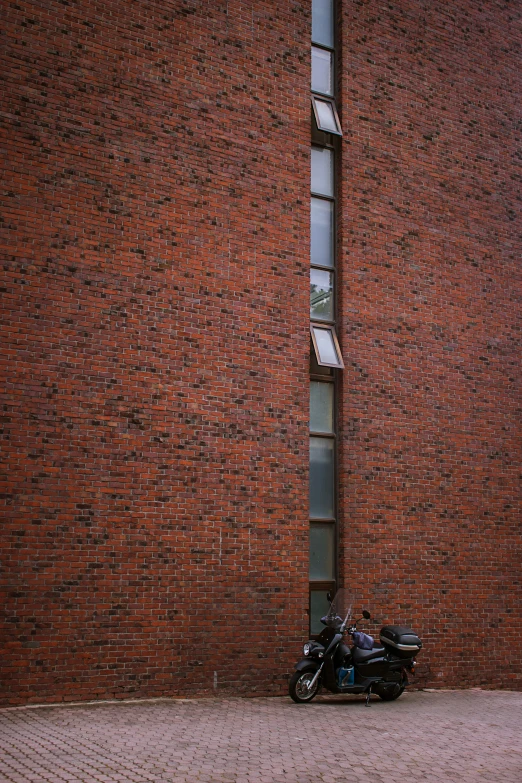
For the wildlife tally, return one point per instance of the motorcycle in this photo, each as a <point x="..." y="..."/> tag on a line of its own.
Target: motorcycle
<point x="366" y="667"/>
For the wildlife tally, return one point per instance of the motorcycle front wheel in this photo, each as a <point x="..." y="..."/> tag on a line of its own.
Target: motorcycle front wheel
<point x="299" y="689"/>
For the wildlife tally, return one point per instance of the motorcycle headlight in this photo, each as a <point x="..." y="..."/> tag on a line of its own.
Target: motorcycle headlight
<point x="306" y="649"/>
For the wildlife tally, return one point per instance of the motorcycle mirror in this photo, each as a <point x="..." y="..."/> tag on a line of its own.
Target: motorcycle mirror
<point x="366" y="614"/>
<point x="329" y="597"/>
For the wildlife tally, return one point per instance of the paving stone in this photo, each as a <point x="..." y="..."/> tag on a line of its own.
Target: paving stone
<point x="470" y="736"/>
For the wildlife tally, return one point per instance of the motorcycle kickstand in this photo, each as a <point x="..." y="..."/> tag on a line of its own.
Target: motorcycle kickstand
<point x="368" y="694"/>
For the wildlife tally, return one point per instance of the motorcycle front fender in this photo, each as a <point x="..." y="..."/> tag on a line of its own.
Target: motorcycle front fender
<point x="307" y="664"/>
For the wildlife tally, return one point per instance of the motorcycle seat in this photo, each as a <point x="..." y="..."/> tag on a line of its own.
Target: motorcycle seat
<point x="362" y="656"/>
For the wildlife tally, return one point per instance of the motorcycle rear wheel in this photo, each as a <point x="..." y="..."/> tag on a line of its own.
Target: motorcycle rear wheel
<point x="298" y="687"/>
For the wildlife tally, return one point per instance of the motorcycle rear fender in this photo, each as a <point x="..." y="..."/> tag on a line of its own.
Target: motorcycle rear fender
<point x="307" y="664"/>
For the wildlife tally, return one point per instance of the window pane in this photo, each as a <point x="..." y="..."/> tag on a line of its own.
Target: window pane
<point x="323" y="22"/>
<point x="322" y="547"/>
<point x="326" y="349"/>
<point x="325" y="116"/>
<point x="319" y="606"/>
<point x="321" y="406"/>
<point x="321" y="295"/>
<point x="322" y="232"/>
<point x="322" y="171"/>
<point x="322" y="71"/>
<point x="321" y="478"/>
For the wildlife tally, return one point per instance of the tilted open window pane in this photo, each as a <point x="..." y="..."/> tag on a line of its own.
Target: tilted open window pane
<point x="326" y="346"/>
<point x="321" y="478"/>
<point x="321" y="295"/>
<point x="322" y="171"/>
<point x="315" y="369"/>
<point x="322" y="549"/>
<point x="321" y="407"/>
<point x="326" y="117"/>
<point x="323" y="22"/>
<point x="322" y="232"/>
<point x="322" y="71"/>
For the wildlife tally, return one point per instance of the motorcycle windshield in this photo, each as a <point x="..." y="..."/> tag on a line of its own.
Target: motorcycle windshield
<point x="341" y="606"/>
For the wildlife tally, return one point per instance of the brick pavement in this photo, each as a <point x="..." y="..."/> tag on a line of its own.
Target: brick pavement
<point x="465" y="736"/>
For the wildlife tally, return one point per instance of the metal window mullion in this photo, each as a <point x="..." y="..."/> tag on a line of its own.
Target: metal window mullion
<point x="321" y="584"/>
<point x="322" y="378"/>
<point x="322" y="196"/>
<point x="323" y="268"/>
<point x="324" y="46"/>
<point x="327" y="145"/>
<point x="323" y="520"/>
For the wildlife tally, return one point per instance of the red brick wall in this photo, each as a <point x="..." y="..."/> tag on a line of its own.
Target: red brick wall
<point x="431" y="328"/>
<point x="155" y="301"/>
<point x="155" y="307"/>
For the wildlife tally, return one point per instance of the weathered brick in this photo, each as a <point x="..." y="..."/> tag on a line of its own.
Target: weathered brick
<point x="154" y="484"/>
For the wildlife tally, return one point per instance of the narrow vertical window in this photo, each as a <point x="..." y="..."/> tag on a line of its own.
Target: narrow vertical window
<point x="325" y="356"/>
